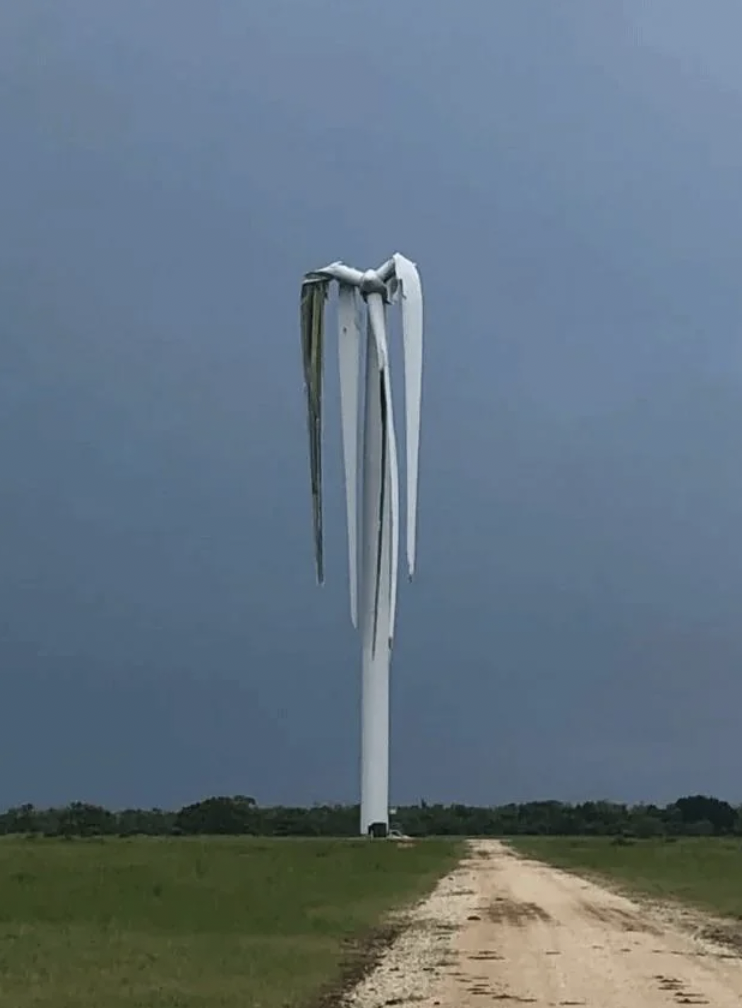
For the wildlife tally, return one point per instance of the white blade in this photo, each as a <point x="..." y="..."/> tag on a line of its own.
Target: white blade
<point x="393" y="476"/>
<point x="412" y="331"/>
<point x="389" y="501"/>
<point x="349" y="357"/>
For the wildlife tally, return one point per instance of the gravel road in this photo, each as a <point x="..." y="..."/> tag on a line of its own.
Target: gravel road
<point x="505" y="930"/>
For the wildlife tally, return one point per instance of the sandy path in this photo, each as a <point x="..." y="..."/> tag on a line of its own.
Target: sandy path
<point x="505" y="930"/>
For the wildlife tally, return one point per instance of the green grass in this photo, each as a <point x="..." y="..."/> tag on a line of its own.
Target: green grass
<point x="704" y="872"/>
<point x="185" y="922"/>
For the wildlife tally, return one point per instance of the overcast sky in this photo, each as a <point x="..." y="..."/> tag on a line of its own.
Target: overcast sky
<point x="568" y="177"/>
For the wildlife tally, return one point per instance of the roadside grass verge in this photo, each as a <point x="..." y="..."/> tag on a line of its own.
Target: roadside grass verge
<point x="705" y="872"/>
<point x="217" y="922"/>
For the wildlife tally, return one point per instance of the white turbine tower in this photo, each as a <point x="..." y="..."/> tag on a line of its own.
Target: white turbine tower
<point x="368" y="431"/>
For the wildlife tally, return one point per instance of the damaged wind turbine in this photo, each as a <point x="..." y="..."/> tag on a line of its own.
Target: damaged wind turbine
<point x="369" y="438"/>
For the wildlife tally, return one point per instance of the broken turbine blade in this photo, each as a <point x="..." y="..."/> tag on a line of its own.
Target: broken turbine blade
<point x="412" y="334"/>
<point x="388" y="506"/>
<point x="349" y="358"/>
<point x="313" y="296"/>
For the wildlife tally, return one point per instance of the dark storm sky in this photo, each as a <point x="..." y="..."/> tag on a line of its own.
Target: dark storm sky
<point x="568" y="178"/>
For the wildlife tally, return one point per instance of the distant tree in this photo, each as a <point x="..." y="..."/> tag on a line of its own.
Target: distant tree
<point x="695" y="809"/>
<point x="216" y="816"/>
<point x="700" y="828"/>
<point x="645" y="821"/>
<point x="22" y="819"/>
<point x="83" y="819"/>
<point x="145" y="822"/>
<point x="738" y="821"/>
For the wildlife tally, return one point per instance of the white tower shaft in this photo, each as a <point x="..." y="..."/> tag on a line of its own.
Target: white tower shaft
<point x="374" y="617"/>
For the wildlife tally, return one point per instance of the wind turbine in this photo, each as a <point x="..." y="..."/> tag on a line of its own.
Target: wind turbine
<point x="369" y="437"/>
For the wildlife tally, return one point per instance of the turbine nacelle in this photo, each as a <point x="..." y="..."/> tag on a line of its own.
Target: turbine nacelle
<point x="367" y="281"/>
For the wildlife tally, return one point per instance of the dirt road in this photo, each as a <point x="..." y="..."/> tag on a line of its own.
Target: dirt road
<point x="506" y="930"/>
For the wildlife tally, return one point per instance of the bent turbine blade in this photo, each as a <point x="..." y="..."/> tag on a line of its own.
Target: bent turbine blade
<point x="349" y="358"/>
<point x="313" y="296"/>
<point x="388" y="512"/>
<point x="393" y="475"/>
<point x="412" y="331"/>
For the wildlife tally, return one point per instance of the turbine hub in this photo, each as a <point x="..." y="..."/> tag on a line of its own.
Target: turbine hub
<point x="371" y="283"/>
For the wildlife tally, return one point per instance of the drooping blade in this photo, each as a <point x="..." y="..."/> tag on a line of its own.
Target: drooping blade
<point x="412" y="332"/>
<point x="382" y="508"/>
<point x="313" y="296"/>
<point x="393" y="478"/>
<point x="349" y="356"/>
<point x="388" y="510"/>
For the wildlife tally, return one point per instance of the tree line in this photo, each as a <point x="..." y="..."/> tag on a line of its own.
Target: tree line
<point x="693" y="815"/>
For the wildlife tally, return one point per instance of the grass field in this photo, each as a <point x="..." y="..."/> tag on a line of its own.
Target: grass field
<point x="227" y="922"/>
<point x="705" y="872"/>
